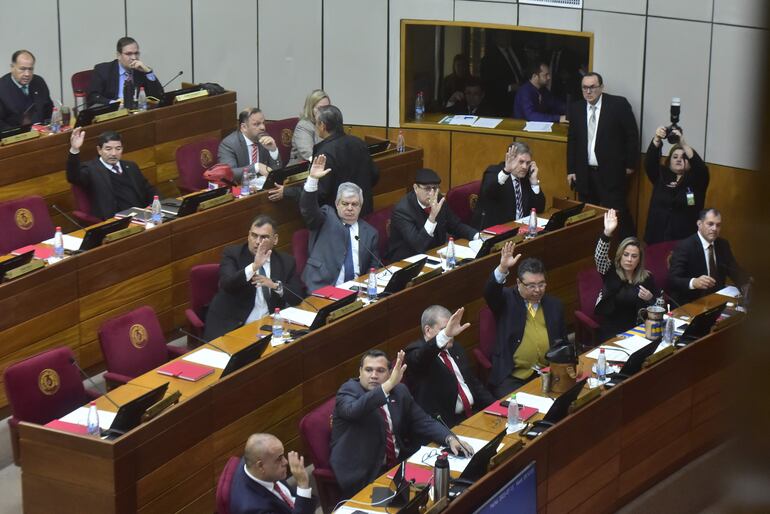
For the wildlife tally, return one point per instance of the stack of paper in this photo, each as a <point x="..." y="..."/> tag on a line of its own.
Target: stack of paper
<point x="538" y="126"/>
<point x="487" y="122"/>
<point x="80" y="417"/>
<point x="71" y="243"/>
<point x="541" y="222"/>
<point x="461" y="252"/>
<point x="208" y="357"/>
<point x="619" y="355"/>
<point x="541" y="403"/>
<point x="426" y="455"/>
<point x="298" y="316"/>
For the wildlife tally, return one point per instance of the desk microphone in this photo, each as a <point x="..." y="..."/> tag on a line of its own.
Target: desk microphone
<point x="301" y="299"/>
<point x="173" y="79"/>
<point x="91" y="381"/>
<point x="462" y="448"/>
<point x="374" y="256"/>
<point x="67" y="217"/>
<point x="203" y="341"/>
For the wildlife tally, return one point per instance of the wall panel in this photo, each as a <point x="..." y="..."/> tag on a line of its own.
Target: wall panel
<point x="549" y="17"/>
<point x="623" y="6"/>
<point x="698" y="10"/>
<point x="486" y="12"/>
<point x="752" y="13"/>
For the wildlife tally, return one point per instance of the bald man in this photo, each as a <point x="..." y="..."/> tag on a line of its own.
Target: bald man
<point x="258" y="485"/>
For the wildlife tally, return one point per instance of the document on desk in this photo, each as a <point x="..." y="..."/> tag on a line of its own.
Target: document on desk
<point x="71" y="243"/>
<point x="619" y="355"/>
<point x="384" y="276"/>
<point x="730" y="291"/>
<point x="461" y="252"/>
<point x="463" y="119"/>
<point x="487" y="122"/>
<point x="632" y="343"/>
<point x="80" y="417"/>
<point x="298" y="316"/>
<point x="541" y="222"/>
<point x="426" y="456"/>
<point x="541" y="403"/>
<point x="208" y="357"/>
<point x="415" y="258"/>
<point x="538" y="126"/>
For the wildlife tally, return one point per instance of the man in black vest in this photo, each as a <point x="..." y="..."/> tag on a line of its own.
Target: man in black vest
<point x="24" y="96"/>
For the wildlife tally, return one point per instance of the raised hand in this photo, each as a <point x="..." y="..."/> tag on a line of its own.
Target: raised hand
<point x="396" y="374"/>
<point x="455" y="326"/>
<point x="436" y="208"/>
<point x="267" y="141"/>
<point x="533" y="174"/>
<point x="318" y="169"/>
<point x="610" y="222"/>
<point x="510" y="160"/>
<point x="263" y="254"/>
<point x="507" y="259"/>
<point x="76" y="139"/>
<point x="298" y="471"/>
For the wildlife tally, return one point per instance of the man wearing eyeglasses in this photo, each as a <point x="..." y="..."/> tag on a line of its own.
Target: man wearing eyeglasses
<point x="109" y="78"/>
<point x="602" y="148"/>
<point x="421" y="221"/>
<point x="529" y="322"/>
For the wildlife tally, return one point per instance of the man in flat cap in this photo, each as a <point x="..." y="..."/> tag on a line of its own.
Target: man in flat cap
<point x="421" y="221"/>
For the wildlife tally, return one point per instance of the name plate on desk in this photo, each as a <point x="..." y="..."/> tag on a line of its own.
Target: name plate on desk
<point x="190" y="96"/>
<point x="219" y="200"/>
<point x="297" y="177"/>
<point x="32" y="134"/>
<point x="31" y="266"/>
<point x="425" y="277"/>
<point x="120" y="234"/>
<point x="658" y="356"/>
<point x="508" y="451"/>
<point x="518" y="238"/>
<point x="585" y="215"/>
<point x="584" y="400"/>
<point x="111" y="115"/>
<point x="344" y="311"/>
<point x="162" y="405"/>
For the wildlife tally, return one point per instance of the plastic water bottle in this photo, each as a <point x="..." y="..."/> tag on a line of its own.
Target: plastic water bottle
<point x="55" y="121"/>
<point x="419" y="107"/>
<point x="451" y="260"/>
<point x="513" y="412"/>
<point x="601" y="365"/>
<point x="532" y="225"/>
<point x="246" y="182"/>
<point x="400" y="144"/>
<point x="58" y="244"/>
<point x="277" y="325"/>
<point x="371" y="285"/>
<point x="668" y="331"/>
<point x="92" y="422"/>
<point x="156" y="215"/>
<point x="142" y="99"/>
<point x="441" y="477"/>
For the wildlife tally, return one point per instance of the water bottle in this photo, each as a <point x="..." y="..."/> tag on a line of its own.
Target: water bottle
<point x="419" y="107"/>
<point x="400" y="144"/>
<point x="601" y="365"/>
<point x="451" y="261"/>
<point x="142" y="99"/>
<point x="246" y="182"/>
<point x="668" y="331"/>
<point x="441" y="477"/>
<point x="532" y="225"/>
<point x="513" y="412"/>
<point x="55" y="121"/>
<point x="92" y="422"/>
<point x="277" y="325"/>
<point x="156" y="215"/>
<point x="58" y="244"/>
<point x="371" y="285"/>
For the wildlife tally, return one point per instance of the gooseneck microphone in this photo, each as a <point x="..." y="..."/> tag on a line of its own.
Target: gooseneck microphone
<point x="91" y="381"/>
<point x="464" y="450"/>
<point x="202" y="341"/>
<point x="173" y="79"/>
<point x="301" y="299"/>
<point x="67" y="217"/>
<point x="374" y="256"/>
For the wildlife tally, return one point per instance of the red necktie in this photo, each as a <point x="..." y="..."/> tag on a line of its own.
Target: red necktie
<point x="390" y="443"/>
<point x="287" y="499"/>
<point x="254" y="153"/>
<point x="427" y="210"/>
<point x="463" y="398"/>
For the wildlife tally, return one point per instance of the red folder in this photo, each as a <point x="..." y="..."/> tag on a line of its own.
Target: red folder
<point x="420" y="474"/>
<point x="498" y="410"/>
<point x="67" y="427"/>
<point x="332" y="293"/>
<point x="497" y="229"/>
<point x="185" y="370"/>
<point x="41" y="251"/>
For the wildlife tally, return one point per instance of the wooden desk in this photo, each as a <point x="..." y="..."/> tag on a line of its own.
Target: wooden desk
<point x="507" y="127"/>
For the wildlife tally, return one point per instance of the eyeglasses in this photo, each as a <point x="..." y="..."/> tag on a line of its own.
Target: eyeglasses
<point x="534" y="286"/>
<point x="589" y="88"/>
<point x="430" y="189"/>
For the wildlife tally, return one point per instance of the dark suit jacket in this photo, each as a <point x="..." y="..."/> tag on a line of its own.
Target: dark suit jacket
<point x="249" y="497"/>
<point x="616" y="147"/>
<point x="235" y="299"/>
<point x="497" y="203"/>
<point x="407" y="228"/>
<point x="105" y="82"/>
<point x="435" y="386"/>
<point x="510" y="311"/>
<point x="327" y="243"/>
<point x="358" y="432"/>
<point x="234" y="152"/>
<point x="689" y="261"/>
<point x="95" y="178"/>
<point x="13" y="102"/>
<point x="349" y="160"/>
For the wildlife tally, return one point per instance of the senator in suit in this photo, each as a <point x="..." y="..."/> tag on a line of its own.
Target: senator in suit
<point x="112" y="184"/>
<point x="341" y="246"/>
<point x="24" y="96"/>
<point x="421" y="221"/>
<point x="250" y="147"/>
<point x="109" y="78"/>
<point x="701" y="263"/>
<point x="438" y="371"/>
<point x="529" y="322"/>
<point x="254" y="280"/>
<point x="376" y="423"/>
<point x="602" y="148"/>
<point x="509" y="190"/>
<point x="258" y="485"/>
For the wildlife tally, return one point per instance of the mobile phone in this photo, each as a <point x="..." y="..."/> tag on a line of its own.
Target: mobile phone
<point x="505" y="403"/>
<point x="431" y="260"/>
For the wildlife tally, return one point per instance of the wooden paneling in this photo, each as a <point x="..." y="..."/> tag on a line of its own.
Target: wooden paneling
<point x="472" y="153"/>
<point x="435" y="145"/>
<point x="551" y="159"/>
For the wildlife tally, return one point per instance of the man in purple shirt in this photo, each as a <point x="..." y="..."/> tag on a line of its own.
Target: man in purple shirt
<point x="534" y="101"/>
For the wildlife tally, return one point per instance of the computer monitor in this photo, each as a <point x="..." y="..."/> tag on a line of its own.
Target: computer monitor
<point x="379" y="147"/>
<point x="402" y="277"/>
<point x="169" y="96"/>
<point x="477" y="466"/>
<point x="486" y="246"/>
<point x="323" y="312"/>
<point x="95" y="235"/>
<point x="191" y="202"/>
<point x="246" y="356"/>
<point x="130" y="414"/>
<point x="416" y="504"/>
<point x="633" y="364"/>
<point x="701" y="324"/>
<point x="558" y="219"/>
<point x="277" y="176"/>
<point x="519" y="495"/>
<point x="86" y="116"/>
<point x="15" y="131"/>
<point x="14" y="262"/>
<point x="558" y="411"/>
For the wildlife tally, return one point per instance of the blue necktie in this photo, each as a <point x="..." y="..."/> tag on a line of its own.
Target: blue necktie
<point x="265" y="290"/>
<point x="350" y="273"/>
<point x="25" y="90"/>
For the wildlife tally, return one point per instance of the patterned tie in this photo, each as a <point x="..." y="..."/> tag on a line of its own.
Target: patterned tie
<point x="517" y="190"/>
<point x="591" y="126"/>
<point x="265" y="290"/>
<point x="463" y="397"/>
<point x="712" y="262"/>
<point x="25" y="90"/>
<point x="283" y="495"/>
<point x="116" y="169"/>
<point x="531" y="309"/>
<point x="350" y="272"/>
<point x="390" y="443"/>
<point x="254" y="154"/>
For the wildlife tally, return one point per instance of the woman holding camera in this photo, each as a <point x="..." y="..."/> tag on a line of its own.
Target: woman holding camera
<point x="679" y="188"/>
<point x="628" y="286"/>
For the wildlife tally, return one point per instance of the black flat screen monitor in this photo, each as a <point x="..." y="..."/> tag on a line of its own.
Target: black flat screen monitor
<point x="14" y="131"/>
<point x="95" y="235"/>
<point x="130" y="414"/>
<point x="402" y="277"/>
<point x="86" y="116"/>
<point x="635" y="361"/>
<point x="558" y="219"/>
<point x="376" y="148"/>
<point x="15" y="262"/>
<point x="701" y="324"/>
<point x="518" y="496"/>
<point x="191" y="202"/>
<point x="560" y="407"/>
<point x="486" y="246"/>
<point x="416" y="504"/>
<point x="277" y="176"/>
<point x="169" y="96"/>
<point x="246" y="356"/>
<point x="323" y="312"/>
<point x="477" y="466"/>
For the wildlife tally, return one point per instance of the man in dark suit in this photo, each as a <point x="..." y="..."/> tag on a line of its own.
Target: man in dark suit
<point x="258" y="485"/>
<point x="24" y="96"/>
<point x="376" y="423"/>
<point x="252" y="276"/>
<point x="602" y="148"/>
<point x="421" y="221"/>
<point x="510" y="189"/>
<point x="250" y="147"/>
<point x="438" y="371"/>
<point x="112" y="184"/>
<point x="109" y="79"/>
<point x="528" y="322"/>
<point x="472" y="102"/>
<point x="701" y="263"/>
<point x="347" y="157"/>
<point x="341" y="246"/>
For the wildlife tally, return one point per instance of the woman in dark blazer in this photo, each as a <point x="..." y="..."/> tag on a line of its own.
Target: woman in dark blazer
<point x="679" y="189"/>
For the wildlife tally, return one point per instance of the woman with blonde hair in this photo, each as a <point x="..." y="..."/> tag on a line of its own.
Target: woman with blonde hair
<point x="305" y="137"/>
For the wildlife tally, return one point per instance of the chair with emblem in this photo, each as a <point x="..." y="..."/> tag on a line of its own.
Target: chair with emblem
<point x="224" y="484"/>
<point x="283" y="132"/>
<point x="315" y="428"/>
<point x="82" y="211"/>
<point x="380" y="220"/>
<point x="204" y="284"/>
<point x="462" y="200"/>
<point x="23" y="222"/>
<point x="192" y="160"/>
<point x="133" y="343"/>
<point x="43" y="388"/>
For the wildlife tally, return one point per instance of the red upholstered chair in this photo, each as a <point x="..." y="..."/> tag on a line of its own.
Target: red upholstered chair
<point x="299" y="248"/>
<point x="587" y="323"/>
<point x="82" y="211"/>
<point x="657" y="259"/>
<point x="204" y="283"/>
<point x="80" y="82"/>
<point x="315" y="428"/>
<point x="192" y="160"/>
<point x="487" y="336"/>
<point x="223" y="485"/>
<point x="133" y="343"/>
<point x="462" y="200"/>
<point x="42" y="388"/>
<point x="23" y="222"/>
<point x="282" y="131"/>
<point x="380" y="219"/>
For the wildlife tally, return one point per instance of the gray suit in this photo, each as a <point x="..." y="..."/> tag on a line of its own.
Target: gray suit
<point x="234" y="152"/>
<point x="327" y="243"/>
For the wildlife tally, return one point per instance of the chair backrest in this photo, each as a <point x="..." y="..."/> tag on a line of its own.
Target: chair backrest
<point x="487" y="331"/>
<point x="315" y="428"/>
<point x="380" y="220"/>
<point x="133" y="343"/>
<point x="657" y="260"/>
<point x="192" y="160"/>
<point x="44" y="387"/>
<point x="462" y="200"/>
<point x="23" y="222"/>
<point x="299" y="246"/>
<point x="283" y="132"/>
<point x="80" y="82"/>
<point x="589" y="283"/>
<point x="83" y="206"/>
<point x="204" y="283"/>
<point x="223" y="485"/>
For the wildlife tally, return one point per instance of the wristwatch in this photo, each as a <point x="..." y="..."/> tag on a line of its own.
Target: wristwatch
<point x="279" y="288"/>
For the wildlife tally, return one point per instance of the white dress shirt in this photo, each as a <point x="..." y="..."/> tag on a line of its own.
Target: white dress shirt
<point x="260" y="182"/>
<point x="705" y="244"/>
<point x="592" y="143"/>
<point x="109" y="167"/>
<point x="502" y="176"/>
<point x="441" y="341"/>
<point x="260" y="302"/>
<point x="303" y="492"/>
